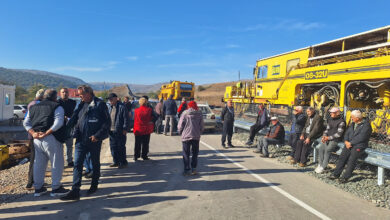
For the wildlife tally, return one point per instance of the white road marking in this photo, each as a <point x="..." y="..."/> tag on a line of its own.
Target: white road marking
<point x="279" y="190"/>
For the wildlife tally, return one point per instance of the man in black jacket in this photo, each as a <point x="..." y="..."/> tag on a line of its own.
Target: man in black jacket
<point x="120" y="124"/>
<point x="313" y="129"/>
<point x="91" y="123"/>
<point x="169" y="110"/>
<point x="227" y="117"/>
<point x="356" y="141"/>
<point x="262" y="121"/>
<point x="333" y="135"/>
<point x="298" y="122"/>
<point x="69" y="106"/>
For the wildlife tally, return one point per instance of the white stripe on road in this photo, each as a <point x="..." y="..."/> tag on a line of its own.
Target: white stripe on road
<point x="281" y="191"/>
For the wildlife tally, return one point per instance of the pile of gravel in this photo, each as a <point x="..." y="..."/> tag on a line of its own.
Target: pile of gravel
<point x="13" y="182"/>
<point x="362" y="184"/>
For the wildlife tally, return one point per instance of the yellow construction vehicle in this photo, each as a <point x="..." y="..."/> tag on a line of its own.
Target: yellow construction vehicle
<point x="350" y="72"/>
<point x="178" y="90"/>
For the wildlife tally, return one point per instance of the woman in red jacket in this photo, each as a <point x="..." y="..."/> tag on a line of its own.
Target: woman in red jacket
<point x="143" y="127"/>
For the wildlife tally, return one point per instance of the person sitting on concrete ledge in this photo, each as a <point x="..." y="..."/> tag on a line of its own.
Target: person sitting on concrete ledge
<point x="356" y="141"/>
<point x="275" y="136"/>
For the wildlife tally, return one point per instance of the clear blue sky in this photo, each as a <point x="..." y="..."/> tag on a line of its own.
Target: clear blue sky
<point x="147" y="42"/>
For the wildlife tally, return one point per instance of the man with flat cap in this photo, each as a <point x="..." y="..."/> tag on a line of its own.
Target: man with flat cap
<point x="275" y="135"/>
<point x="120" y="124"/>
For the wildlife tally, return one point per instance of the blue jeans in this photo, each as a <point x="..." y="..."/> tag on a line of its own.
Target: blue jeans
<point x="81" y="150"/>
<point x="187" y="153"/>
<point x="118" y="148"/>
<point x="88" y="163"/>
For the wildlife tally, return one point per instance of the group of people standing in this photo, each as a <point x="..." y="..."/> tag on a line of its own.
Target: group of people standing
<point x="51" y="122"/>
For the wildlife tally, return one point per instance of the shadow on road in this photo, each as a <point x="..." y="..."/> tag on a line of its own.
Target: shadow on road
<point x="141" y="184"/>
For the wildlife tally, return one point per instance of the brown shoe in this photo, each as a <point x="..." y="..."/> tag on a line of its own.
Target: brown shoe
<point x="293" y="162"/>
<point x="301" y="164"/>
<point x="290" y="158"/>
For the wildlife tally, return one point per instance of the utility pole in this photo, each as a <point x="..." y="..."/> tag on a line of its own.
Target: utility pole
<point x="239" y="75"/>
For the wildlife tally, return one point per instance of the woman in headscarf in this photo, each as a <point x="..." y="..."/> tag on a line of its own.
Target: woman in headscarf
<point x="190" y="127"/>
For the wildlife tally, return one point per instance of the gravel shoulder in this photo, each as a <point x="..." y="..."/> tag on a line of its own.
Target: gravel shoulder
<point x="362" y="184"/>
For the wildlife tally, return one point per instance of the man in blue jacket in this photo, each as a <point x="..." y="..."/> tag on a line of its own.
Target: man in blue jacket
<point x="120" y="124"/>
<point x="169" y="110"/>
<point x="91" y="123"/>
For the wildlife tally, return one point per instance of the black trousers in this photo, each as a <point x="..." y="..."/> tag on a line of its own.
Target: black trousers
<point x="253" y="131"/>
<point x="302" y="150"/>
<point x="188" y="146"/>
<point x="347" y="157"/>
<point x="227" y="130"/>
<point x="292" y="141"/>
<point x="141" y="142"/>
<point x="118" y="147"/>
<point x="31" y="166"/>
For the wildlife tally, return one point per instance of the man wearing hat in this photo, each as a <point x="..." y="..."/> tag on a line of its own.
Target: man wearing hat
<point x="332" y="136"/>
<point x="274" y="136"/>
<point x="120" y="124"/>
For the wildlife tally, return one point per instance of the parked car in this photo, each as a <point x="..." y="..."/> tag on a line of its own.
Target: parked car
<point x="135" y="105"/>
<point x="20" y="111"/>
<point x="210" y="122"/>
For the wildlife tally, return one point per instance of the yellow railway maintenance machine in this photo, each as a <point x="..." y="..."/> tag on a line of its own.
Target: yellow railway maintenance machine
<point x="350" y="72"/>
<point x="178" y="90"/>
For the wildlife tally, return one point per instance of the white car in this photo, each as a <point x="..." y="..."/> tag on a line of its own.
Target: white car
<point x="20" y="111"/>
<point x="210" y="122"/>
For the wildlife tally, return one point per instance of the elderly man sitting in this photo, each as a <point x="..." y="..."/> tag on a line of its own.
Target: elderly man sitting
<point x="356" y="141"/>
<point x="275" y="136"/>
<point x="332" y="136"/>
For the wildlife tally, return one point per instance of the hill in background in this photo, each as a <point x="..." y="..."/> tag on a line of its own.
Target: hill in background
<point x="213" y="93"/>
<point x="135" y="88"/>
<point x="27" y="78"/>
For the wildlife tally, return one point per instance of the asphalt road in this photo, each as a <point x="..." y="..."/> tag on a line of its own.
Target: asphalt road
<point x="232" y="184"/>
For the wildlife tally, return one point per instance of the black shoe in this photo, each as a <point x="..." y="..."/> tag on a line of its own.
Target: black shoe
<point x="114" y="165"/>
<point x="146" y="158"/>
<point x="264" y="156"/>
<point x="230" y="145"/>
<point x="41" y="191"/>
<point x="92" y="190"/>
<point x="186" y="173"/>
<point x="223" y="145"/>
<point x="59" y="192"/>
<point x="71" y="196"/>
<point x="342" y="180"/>
<point x="333" y="177"/>
<point x="89" y="175"/>
<point x="135" y="159"/>
<point x="71" y="164"/>
<point x="122" y="166"/>
<point x="249" y="142"/>
<point x="29" y="186"/>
